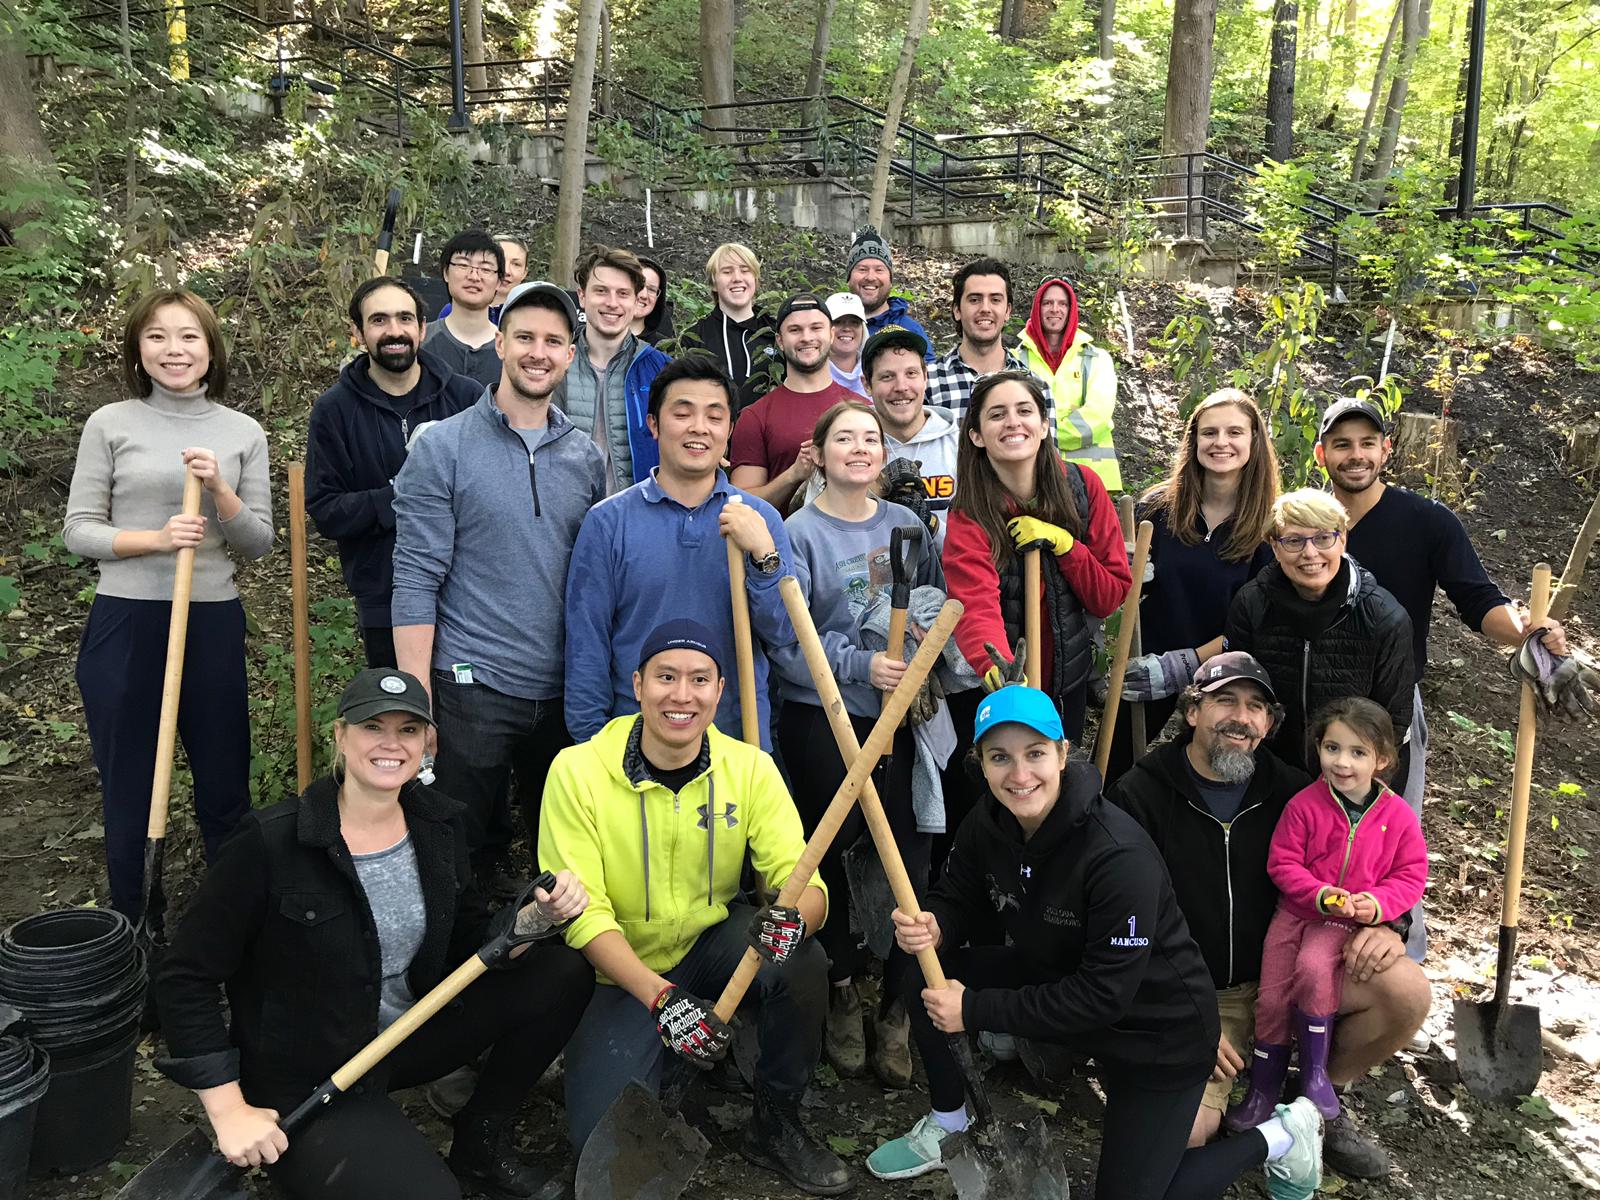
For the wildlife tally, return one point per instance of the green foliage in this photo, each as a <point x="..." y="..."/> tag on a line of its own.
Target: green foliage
<point x="1272" y="375"/>
<point x="1276" y="200"/>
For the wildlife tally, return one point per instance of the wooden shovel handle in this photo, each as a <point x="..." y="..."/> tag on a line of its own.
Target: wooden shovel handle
<point x="380" y="1047"/>
<point x="300" y="604"/>
<point x="1126" y="512"/>
<point x="1119" y="661"/>
<point x="1031" y="587"/>
<point x="743" y="646"/>
<point x="878" y="742"/>
<point x="172" y="679"/>
<point x="896" y="648"/>
<point x="844" y="733"/>
<point x="1522" y="771"/>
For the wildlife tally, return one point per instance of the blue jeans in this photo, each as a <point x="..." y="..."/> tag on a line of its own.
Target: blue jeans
<point x="616" y="1043"/>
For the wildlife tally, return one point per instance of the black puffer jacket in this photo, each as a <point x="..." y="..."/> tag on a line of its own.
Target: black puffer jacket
<point x="1071" y="636"/>
<point x="1354" y="641"/>
<point x="1087" y="901"/>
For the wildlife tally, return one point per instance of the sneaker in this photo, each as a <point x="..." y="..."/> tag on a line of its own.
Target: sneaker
<point x="1298" y="1173"/>
<point x="1350" y="1152"/>
<point x="844" y="1035"/>
<point x="776" y="1139"/>
<point x="1001" y="1047"/>
<point x="891" y="1048"/>
<point x="915" y="1154"/>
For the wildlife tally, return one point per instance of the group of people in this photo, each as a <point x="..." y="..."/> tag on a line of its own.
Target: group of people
<point x="533" y="502"/>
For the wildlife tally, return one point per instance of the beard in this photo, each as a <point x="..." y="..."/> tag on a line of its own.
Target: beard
<point x="396" y="357"/>
<point x="530" y="392"/>
<point x="1345" y="485"/>
<point x="807" y="368"/>
<point x="1227" y="763"/>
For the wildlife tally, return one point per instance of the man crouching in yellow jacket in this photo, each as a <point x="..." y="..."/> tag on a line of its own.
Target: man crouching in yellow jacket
<point x="655" y="814"/>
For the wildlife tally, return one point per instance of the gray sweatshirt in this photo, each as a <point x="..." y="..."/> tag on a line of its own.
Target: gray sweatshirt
<point x="129" y="476"/>
<point x="483" y="533"/>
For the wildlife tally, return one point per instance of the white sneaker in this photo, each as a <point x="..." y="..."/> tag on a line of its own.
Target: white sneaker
<point x="1297" y="1175"/>
<point x="916" y="1153"/>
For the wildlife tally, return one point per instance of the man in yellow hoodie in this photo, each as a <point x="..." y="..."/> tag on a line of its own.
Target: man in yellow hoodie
<point x="1082" y="379"/>
<point x="655" y="814"/>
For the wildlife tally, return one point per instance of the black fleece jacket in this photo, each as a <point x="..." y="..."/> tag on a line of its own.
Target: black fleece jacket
<point x="1087" y="899"/>
<point x="1219" y="872"/>
<point x="746" y="350"/>
<point x="357" y="444"/>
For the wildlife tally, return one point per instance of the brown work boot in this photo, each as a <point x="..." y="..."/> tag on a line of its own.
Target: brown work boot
<point x="844" y="1035"/>
<point x="891" y="1047"/>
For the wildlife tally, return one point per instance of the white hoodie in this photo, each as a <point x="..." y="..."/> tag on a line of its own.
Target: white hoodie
<point x="934" y="446"/>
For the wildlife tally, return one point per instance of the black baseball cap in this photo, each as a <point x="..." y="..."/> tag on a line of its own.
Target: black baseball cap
<point x="1351" y="407"/>
<point x="891" y="337"/>
<point x="802" y="302"/>
<point x="524" y="292"/>
<point x="682" y="634"/>
<point x="383" y="689"/>
<point x="1230" y="666"/>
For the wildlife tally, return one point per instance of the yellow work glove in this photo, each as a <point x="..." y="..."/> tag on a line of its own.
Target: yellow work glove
<point x="1030" y="531"/>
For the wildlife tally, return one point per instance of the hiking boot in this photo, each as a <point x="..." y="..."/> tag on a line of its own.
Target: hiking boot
<point x="1350" y="1152"/>
<point x="449" y="1094"/>
<point x="891" y="1047"/>
<point x="483" y="1159"/>
<point x="1269" y="1063"/>
<point x="917" y="1153"/>
<point x="1314" y="1035"/>
<point x="775" y="1139"/>
<point x="844" y="1036"/>
<point x="1298" y="1174"/>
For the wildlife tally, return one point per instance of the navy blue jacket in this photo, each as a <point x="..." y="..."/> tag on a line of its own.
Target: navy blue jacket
<point x="357" y="444"/>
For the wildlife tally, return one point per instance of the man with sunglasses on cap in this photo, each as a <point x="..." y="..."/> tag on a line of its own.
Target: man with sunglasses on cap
<point x="656" y="813"/>
<point x="1210" y="799"/>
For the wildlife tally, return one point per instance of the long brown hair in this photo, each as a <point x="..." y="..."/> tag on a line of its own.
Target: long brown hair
<point x="979" y="492"/>
<point x="133" y="372"/>
<point x="1180" y="493"/>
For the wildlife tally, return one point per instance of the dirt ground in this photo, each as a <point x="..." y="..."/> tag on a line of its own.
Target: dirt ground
<point x="1519" y="505"/>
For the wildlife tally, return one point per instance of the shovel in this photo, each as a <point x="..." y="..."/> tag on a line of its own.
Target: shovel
<point x="1010" y="1165"/>
<point x="1139" y="735"/>
<point x="391" y="210"/>
<point x="743" y="644"/>
<point x="1498" y="1050"/>
<point x="641" y="1149"/>
<point x="190" y="1169"/>
<point x="1031" y="586"/>
<point x="1119" y="661"/>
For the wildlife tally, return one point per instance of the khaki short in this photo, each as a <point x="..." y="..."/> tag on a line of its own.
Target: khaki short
<point x="1236" y="1009"/>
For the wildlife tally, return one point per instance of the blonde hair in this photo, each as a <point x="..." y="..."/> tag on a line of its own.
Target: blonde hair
<point x="736" y="250"/>
<point x="1309" y="508"/>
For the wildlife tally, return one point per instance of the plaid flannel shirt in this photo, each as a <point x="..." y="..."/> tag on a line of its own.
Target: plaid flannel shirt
<point x="951" y="380"/>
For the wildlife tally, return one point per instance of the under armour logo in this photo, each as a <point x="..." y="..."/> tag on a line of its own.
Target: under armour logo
<point x="727" y="815"/>
<point x="1027" y="872"/>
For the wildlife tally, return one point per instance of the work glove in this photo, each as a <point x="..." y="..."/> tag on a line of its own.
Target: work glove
<point x="776" y="932"/>
<point x="690" y="1028"/>
<point x="1157" y="676"/>
<point x="1561" y="683"/>
<point x="1006" y="671"/>
<point x="1030" y="531"/>
<point x="900" y="482"/>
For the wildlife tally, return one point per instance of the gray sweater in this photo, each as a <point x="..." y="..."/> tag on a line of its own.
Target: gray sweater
<point x="483" y="535"/>
<point x="129" y="476"/>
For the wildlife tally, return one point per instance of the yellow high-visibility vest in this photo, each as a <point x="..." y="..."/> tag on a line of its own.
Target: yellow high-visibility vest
<point x="1084" y="388"/>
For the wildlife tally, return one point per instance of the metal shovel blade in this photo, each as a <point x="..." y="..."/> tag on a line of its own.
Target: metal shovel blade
<point x="639" y="1152"/>
<point x="1006" y="1162"/>
<point x="189" y="1169"/>
<point x="1498" y="1049"/>
<point x="871" y="899"/>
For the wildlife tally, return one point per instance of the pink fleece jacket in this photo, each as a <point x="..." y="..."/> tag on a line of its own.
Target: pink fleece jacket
<point x="1315" y="847"/>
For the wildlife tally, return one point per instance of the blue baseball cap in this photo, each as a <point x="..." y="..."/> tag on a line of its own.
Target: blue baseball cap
<point x="1021" y="705"/>
<point x="682" y="634"/>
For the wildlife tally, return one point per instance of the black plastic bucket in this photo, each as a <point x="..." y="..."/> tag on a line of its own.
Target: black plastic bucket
<point x="79" y="978"/>
<point x="24" y="1080"/>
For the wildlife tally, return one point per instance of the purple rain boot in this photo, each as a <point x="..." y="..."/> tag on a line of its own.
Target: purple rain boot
<point x="1268" y="1065"/>
<point x="1314" y="1035"/>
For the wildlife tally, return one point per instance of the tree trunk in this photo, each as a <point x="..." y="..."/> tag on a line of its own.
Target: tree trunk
<point x="716" y="66"/>
<point x="917" y="22"/>
<point x="473" y="47"/>
<point x="575" y="144"/>
<point x="1458" y="121"/>
<point x="1188" y="112"/>
<point x="1280" y="83"/>
<point x="819" y="47"/>
<point x="605" y="59"/>
<point x="1413" y="26"/>
<point x="1358" y="160"/>
<point x="1107" y="27"/>
<point x="24" y="153"/>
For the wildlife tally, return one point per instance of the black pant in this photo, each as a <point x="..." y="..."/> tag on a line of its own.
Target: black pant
<point x="378" y="642"/>
<point x="364" y="1147"/>
<point x="486" y="737"/>
<point x="122" y="659"/>
<point x="1145" y="1132"/>
<point x="816" y="770"/>
<point x="1156" y="715"/>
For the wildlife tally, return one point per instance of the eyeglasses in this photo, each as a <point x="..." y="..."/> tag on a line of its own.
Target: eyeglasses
<point x="1323" y="539"/>
<point x="481" y="270"/>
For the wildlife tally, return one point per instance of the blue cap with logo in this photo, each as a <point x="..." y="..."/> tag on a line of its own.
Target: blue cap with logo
<point x="682" y="634"/>
<point x="1022" y="706"/>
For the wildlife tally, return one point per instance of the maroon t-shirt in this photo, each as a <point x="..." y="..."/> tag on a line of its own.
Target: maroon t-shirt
<point x="770" y="431"/>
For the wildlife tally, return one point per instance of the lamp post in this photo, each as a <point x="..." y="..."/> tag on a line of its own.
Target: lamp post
<point x="1467" y="187"/>
<point x="458" y="72"/>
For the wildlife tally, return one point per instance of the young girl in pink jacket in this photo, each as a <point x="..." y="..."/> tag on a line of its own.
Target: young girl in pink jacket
<point x="1347" y="852"/>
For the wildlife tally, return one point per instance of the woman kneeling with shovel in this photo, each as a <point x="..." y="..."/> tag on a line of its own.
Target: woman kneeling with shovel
<point x="1097" y="958"/>
<point x="325" y="917"/>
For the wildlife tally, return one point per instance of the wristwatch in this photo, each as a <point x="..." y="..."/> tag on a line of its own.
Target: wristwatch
<point x="767" y="564"/>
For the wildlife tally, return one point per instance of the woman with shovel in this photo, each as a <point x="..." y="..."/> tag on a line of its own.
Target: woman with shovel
<point x="842" y="556"/>
<point x="324" y="918"/>
<point x="1055" y="921"/>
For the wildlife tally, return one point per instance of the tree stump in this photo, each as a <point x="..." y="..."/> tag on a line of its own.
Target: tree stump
<point x="1426" y="446"/>
<point x="1583" y="447"/>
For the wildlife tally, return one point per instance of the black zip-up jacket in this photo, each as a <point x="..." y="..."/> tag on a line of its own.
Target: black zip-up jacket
<point x="747" y="351"/>
<point x="1354" y="641"/>
<point x="1218" y="872"/>
<point x="356" y="445"/>
<point x="1087" y="901"/>
<point x="281" y="921"/>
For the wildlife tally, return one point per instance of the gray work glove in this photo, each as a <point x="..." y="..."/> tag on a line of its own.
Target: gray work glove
<point x="1006" y="671"/>
<point x="1561" y="683"/>
<point x="1157" y="676"/>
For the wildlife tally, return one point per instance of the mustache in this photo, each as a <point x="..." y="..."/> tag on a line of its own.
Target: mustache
<point x="1237" y="729"/>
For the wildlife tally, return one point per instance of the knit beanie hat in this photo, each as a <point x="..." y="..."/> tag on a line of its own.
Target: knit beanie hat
<point x="869" y="243"/>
